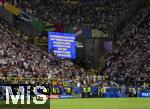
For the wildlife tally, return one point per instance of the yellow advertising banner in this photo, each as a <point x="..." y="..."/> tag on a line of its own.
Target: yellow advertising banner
<point x="12" y="9"/>
<point x="73" y="2"/>
<point x="98" y="34"/>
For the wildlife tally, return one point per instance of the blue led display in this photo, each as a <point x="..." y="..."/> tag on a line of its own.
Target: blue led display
<point x="62" y="44"/>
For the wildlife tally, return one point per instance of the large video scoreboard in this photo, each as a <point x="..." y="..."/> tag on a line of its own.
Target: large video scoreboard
<point x="62" y="44"/>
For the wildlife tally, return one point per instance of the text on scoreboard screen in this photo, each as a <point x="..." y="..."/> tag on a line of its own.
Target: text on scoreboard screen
<point x="62" y="44"/>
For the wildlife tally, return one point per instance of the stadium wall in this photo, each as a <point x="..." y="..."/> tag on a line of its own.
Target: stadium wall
<point x="94" y="51"/>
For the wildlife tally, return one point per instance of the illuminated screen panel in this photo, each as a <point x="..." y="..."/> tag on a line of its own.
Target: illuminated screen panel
<point x="62" y="44"/>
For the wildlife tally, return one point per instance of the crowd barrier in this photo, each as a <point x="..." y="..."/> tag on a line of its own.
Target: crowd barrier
<point x="60" y="96"/>
<point x="109" y="93"/>
<point x="145" y="93"/>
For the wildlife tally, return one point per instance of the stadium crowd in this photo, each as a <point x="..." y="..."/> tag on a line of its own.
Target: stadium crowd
<point x="127" y="64"/>
<point x="129" y="61"/>
<point x="19" y="59"/>
<point x="23" y="63"/>
<point x="101" y="14"/>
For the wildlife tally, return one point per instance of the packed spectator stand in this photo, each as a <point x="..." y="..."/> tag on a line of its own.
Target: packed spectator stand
<point x="19" y="59"/>
<point x="127" y="64"/>
<point x="100" y="14"/>
<point x="129" y="61"/>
